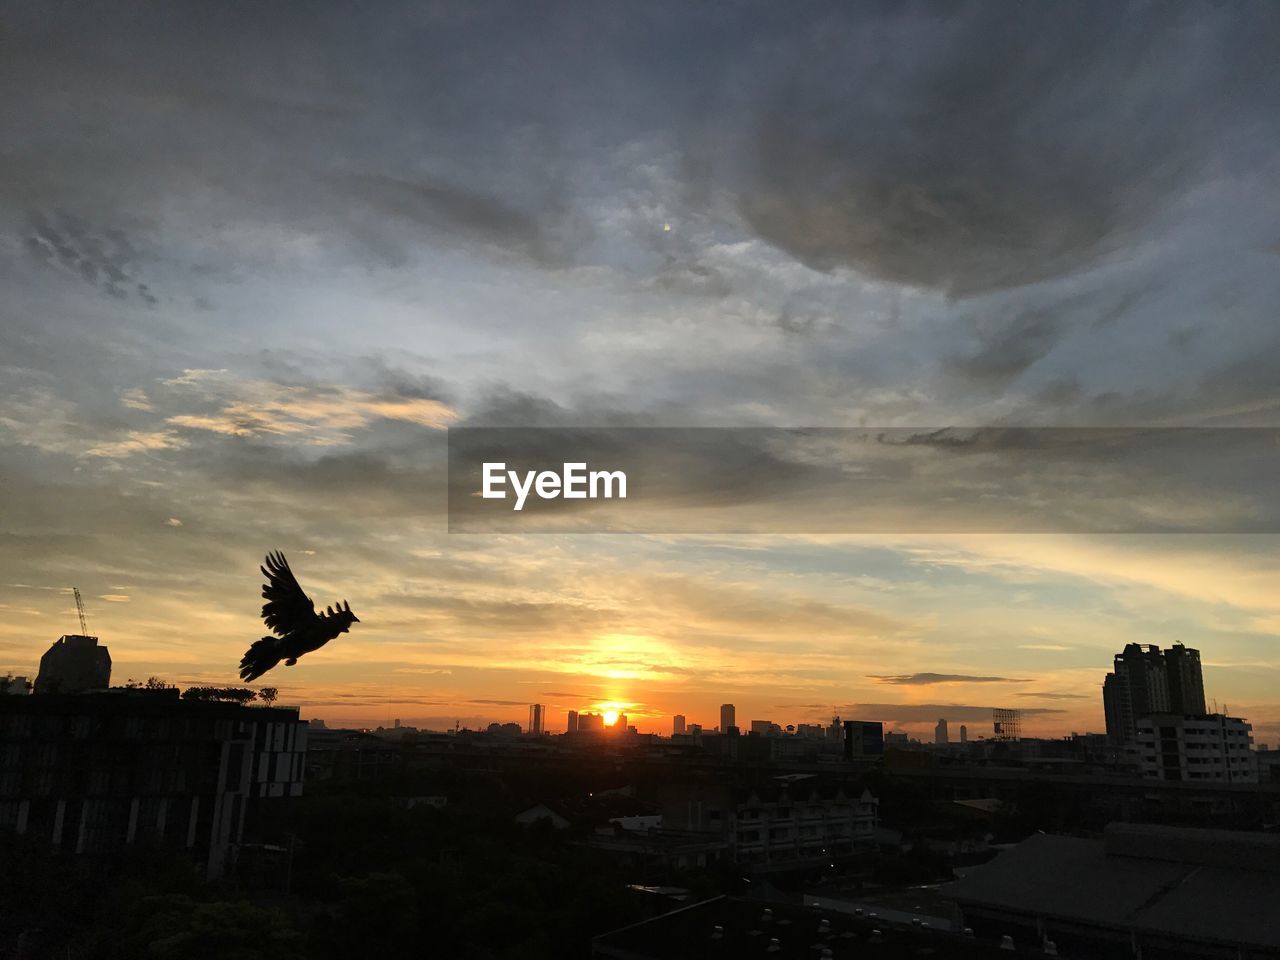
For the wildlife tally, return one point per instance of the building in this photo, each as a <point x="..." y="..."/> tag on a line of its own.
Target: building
<point x="940" y="735"/>
<point x="347" y="755"/>
<point x="14" y="686"/>
<point x="536" y="713"/>
<point x="95" y="773"/>
<point x="74" y="664"/>
<point x="677" y="725"/>
<point x="1186" y="681"/>
<point x="728" y="717"/>
<point x="1214" y="748"/>
<point x="1145" y="680"/>
<point x="761" y="728"/>
<point x="964" y="733"/>
<point x="863" y="738"/>
<point x="790" y="821"/>
<point x="572" y="726"/>
<point x="589" y="722"/>
<point x="1141" y="891"/>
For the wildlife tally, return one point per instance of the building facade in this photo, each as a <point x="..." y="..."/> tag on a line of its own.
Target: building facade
<point x="94" y="773"/>
<point x="1211" y="748"/>
<point x="791" y="821"/>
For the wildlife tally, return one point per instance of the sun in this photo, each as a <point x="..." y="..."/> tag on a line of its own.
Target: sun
<point x="610" y="717"/>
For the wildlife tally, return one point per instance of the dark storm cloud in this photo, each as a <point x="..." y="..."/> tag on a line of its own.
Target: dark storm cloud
<point x="987" y="145"/>
<point x="104" y="259"/>
<point x="927" y="679"/>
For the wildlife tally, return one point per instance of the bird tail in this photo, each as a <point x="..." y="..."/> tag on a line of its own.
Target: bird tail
<point x="259" y="658"/>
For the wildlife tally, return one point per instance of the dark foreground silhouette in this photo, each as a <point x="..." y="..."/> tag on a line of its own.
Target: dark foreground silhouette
<point x="291" y="616"/>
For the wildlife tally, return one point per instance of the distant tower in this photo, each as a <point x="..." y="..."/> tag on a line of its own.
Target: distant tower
<point x="536" y="712"/>
<point x="573" y="721"/>
<point x="74" y="664"/>
<point x="728" y="717"/>
<point x="677" y="725"/>
<point x="940" y="736"/>
<point x="964" y="733"/>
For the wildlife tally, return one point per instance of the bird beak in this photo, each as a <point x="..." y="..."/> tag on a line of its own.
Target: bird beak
<point x="354" y="618"/>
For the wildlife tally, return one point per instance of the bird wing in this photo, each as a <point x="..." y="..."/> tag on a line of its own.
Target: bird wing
<point x="287" y="609"/>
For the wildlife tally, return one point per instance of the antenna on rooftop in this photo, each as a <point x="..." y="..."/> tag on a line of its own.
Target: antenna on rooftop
<point x="84" y="626"/>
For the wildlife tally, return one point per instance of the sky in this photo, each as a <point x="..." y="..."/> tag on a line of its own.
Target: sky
<point x="257" y="259"/>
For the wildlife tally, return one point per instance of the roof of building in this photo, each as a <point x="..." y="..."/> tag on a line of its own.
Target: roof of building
<point x="1206" y="885"/>
<point x="734" y="927"/>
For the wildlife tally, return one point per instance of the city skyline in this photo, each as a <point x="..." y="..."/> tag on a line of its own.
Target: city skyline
<point x="256" y="266"/>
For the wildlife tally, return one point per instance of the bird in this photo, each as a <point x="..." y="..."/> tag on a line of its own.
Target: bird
<point x="291" y="616"/>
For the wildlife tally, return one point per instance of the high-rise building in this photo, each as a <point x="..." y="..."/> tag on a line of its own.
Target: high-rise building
<point x="572" y="726"/>
<point x="536" y="711"/>
<point x="677" y="725"/>
<point x="1186" y="681"/>
<point x="1147" y="681"/>
<point x="728" y="717"/>
<point x="74" y="664"/>
<point x="964" y="733"/>
<point x="940" y="736"/>
<point x="588" y="722"/>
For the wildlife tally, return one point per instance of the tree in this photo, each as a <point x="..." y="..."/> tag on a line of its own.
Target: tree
<point x="240" y="695"/>
<point x="268" y="695"/>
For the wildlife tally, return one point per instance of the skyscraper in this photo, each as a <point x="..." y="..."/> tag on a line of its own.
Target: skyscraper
<point x="1186" y="681"/>
<point x="536" y="711"/>
<point x="728" y="717"/>
<point x="677" y="725"/>
<point x="573" y="722"/>
<point x="940" y="733"/>
<point x="964" y="733"/>
<point x="1143" y="682"/>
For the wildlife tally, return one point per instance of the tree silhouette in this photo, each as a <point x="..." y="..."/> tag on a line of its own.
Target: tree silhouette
<point x="268" y="695"/>
<point x="240" y="695"/>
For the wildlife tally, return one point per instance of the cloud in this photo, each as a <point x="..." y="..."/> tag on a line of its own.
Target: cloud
<point x="137" y="441"/>
<point x="926" y="679"/>
<point x="104" y="259"/>
<point x="897" y="152"/>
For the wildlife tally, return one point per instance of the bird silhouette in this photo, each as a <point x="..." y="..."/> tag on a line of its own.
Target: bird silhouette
<point x="292" y="617"/>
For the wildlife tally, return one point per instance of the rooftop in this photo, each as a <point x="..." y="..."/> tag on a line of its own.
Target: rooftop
<point x="734" y="927"/>
<point x="1212" y="886"/>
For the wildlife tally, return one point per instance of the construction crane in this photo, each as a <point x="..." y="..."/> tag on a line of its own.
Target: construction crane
<point x="84" y="626"/>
